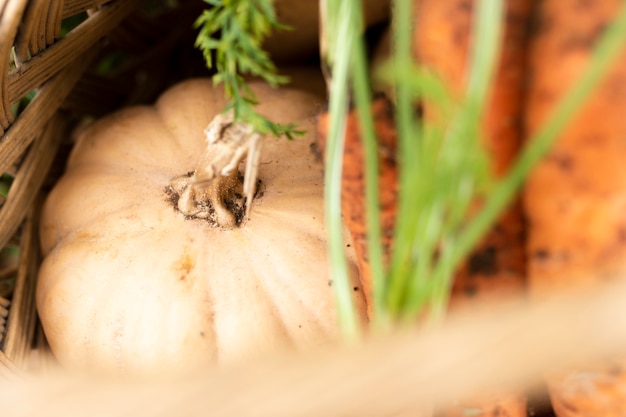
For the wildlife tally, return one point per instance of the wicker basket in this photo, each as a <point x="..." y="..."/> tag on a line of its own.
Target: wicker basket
<point x="51" y="81"/>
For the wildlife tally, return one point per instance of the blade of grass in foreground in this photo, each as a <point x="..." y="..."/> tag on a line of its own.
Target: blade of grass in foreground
<point x="338" y="107"/>
<point x="439" y="168"/>
<point x="487" y="35"/>
<point x="408" y="135"/>
<point x="363" y="100"/>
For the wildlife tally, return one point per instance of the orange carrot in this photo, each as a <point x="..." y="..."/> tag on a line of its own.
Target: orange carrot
<point x="442" y="43"/>
<point x="575" y="199"/>
<point x="353" y="183"/>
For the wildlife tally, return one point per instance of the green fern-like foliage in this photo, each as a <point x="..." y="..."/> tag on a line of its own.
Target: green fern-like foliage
<point x="231" y="37"/>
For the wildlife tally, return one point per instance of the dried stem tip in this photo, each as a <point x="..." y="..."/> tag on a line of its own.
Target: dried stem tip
<point x="214" y="189"/>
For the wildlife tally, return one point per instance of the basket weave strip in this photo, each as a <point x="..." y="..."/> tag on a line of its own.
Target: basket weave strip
<point x="31" y="74"/>
<point x="74" y="7"/>
<point x="4" y="312"/>
<point x="23" y="318"/>
<point x="32" y="121"/>
<point x="30" y="177"/>
<point x="10" y="18"/>
<point x="41" y="26"/>
<point x="55" y="18"/>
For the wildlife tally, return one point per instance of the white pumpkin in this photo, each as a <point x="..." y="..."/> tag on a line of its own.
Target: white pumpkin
<point x="131" y="285"/>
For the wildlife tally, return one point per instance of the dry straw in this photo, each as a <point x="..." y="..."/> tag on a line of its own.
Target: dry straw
<point x="505" y="348"/>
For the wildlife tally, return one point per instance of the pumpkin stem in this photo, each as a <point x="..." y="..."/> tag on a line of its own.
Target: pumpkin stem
<point x="214" y="190"/>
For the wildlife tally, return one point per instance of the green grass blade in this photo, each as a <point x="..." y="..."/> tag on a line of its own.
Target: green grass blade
<point x="363" y="100"/>
<point x="487" y="31"/>
<point x="338" y="107"/>
<point x="401" y="259"/>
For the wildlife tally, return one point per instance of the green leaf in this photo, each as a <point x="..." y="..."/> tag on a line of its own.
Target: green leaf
<point x="230" y="36"/>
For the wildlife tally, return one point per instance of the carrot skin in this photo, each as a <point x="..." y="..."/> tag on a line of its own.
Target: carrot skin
<point x="575" y="198"/>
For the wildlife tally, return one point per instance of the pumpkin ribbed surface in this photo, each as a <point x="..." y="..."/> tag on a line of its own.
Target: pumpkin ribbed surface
<point x="129" y="284"/>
